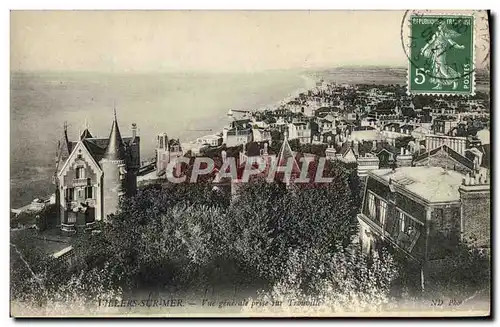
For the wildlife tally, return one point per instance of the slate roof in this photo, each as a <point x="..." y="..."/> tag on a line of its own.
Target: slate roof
<point x="115" y="149"/>
<point x="86" y="134"/>
<point x="95" y="151"/>
<point x="451" y="153"/>
<point x="284" y="155"/>
<point x="432" y="184"/>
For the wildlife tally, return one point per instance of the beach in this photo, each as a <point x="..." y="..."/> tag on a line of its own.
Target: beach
<point x="185" y="106"/>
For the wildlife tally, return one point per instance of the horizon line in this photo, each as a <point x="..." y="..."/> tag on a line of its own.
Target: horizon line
<point x="211" y="71"/>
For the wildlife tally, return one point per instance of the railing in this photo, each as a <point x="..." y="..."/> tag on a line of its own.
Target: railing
<point x="69" y="228"/>
<point x="90" y="226"/>
<point x="79" y="182"/>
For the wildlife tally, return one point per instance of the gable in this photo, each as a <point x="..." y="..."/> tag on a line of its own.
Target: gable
<point x="445" y="157"/>
<point x="350" y="155"/>
<point x="73" y="159"/>
<point x="444" y="151"/>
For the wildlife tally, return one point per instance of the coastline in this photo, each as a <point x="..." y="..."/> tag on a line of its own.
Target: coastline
<point x="24" y="190"/>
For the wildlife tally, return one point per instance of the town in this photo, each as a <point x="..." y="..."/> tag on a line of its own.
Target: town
<point x="423" y="164"/>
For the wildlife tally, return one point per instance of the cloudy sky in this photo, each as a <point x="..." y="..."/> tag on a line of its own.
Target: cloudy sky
<point x="203" y="40"/>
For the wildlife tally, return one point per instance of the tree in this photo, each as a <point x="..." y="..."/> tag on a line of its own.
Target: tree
<point x="344" y="281"/>
<point x="402" y="142"/>
<point x="465" y="271"/>
<point x="267" y="219"/>
<point x="164" y="235"/>
<point x="41" y="281"/>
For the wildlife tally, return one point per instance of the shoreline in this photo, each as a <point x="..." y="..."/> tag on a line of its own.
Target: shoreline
<point x="18" y="203"/>
<point x="308" y="84"/>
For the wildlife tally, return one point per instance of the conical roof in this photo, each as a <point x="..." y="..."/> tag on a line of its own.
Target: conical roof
<point x="86" y="134"/>
<point x="115" y="149"/>
<point x="286" y="153"/>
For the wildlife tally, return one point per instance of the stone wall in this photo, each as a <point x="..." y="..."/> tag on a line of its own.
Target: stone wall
<point x="476" y="214"/>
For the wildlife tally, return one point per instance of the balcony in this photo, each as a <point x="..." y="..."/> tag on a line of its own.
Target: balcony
<point x="68" y="229"/>
<point x="403" y="240"/>
<point x="89" y="227"/>
<point x="79" y="182"/>
<point x="372" y="224"/>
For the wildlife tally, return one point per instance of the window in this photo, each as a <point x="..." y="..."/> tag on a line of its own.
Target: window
<point x="88" y="192"/>
<point x="71" y="218"/>
<point x="80" y="172"/>
<point x="402" y="221"/>
<point x="80" y="193"/>
<point x="407" y="224"/>
<point x="383" y="210"/>
<point x="371" y="205"/>
<point x="69" y="194"/>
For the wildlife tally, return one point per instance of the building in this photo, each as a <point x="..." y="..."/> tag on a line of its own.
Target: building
<point x="212" y="140"/>
<point x="261" y="134"/>
<point x="458" y="144"/>
<point x="387" y="157"/>
<point x="300" y="130"/>
<point x="238" y="133"/>
<point x="270" y="164"/>
<point x="95" y="176"/>
<point x="167" y="150"/>
<point x="367" y="162"/>
<point x="444" y="124"/>
<point x="420" y="211"/>
<point x="447" y="158"/>
<point x="420" y="133"/>
<point x="369" y="121"/>
<point x="365" y="133"/>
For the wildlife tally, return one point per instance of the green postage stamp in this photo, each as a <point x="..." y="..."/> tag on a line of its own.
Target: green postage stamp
<point x="441" y="56"/>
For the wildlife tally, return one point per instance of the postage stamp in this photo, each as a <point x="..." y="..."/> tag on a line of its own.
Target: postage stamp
<point x="441" y="56"/>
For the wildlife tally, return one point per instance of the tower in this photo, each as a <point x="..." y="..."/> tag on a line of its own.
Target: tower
<point x="114" y="170"/>
<point x="162" y="152"/>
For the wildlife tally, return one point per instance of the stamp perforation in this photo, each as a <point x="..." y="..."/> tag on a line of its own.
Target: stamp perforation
<point x="445" y="93"/>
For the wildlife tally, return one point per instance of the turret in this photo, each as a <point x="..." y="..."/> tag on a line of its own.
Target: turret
<point x="162" y="152"/>
<point x="113" y="165"/>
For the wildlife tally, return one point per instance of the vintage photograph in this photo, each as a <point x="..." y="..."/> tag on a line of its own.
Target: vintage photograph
<point x="326" y="163"/>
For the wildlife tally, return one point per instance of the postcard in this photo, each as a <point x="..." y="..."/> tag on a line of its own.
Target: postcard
<point x="326" y="163"/>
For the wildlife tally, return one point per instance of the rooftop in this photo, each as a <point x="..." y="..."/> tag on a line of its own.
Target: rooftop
<point x="433" y="184"/>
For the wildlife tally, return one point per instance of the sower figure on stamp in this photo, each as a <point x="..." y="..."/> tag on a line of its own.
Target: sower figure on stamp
<point x="435" y="50"/>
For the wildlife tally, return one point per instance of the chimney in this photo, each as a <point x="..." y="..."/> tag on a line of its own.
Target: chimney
<point x="134" y="130"/>
<point x="356" y="147"/>
<point x="404" y="159"/>
<point x="223" y="155"/>
<point x="475" y="209"/>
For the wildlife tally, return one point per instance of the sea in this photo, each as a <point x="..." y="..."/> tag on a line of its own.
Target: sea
<point x="184" y="105"/>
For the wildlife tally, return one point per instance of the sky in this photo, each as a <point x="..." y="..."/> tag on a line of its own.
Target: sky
<point x="203" y="40"/>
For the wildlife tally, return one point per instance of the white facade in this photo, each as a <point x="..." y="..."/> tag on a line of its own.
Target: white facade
<point x="211" y="140"/>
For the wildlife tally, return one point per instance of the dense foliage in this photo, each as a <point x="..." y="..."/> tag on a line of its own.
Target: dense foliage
<point x="293" y="241"/>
